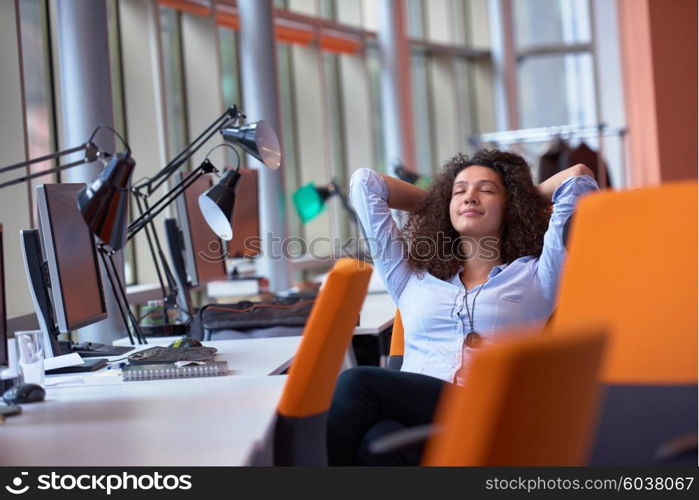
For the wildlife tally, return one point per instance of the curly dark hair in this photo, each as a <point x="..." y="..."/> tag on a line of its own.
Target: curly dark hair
<point x="524" y="222"/>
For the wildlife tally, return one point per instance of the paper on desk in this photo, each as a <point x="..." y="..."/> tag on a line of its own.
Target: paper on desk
<point x="51" y="381"/>
<point x="71" y="359"/>
<point x="232" y="288"/>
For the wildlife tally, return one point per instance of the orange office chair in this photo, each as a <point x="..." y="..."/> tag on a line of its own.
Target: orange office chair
<point x="526" y="402"/>
<point x="632" y="267"/>
<point x="298" y="434"/>
<point x="395" y="353"/>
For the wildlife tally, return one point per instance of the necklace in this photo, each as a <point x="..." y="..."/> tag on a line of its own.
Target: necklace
<point x="473" y="339"/>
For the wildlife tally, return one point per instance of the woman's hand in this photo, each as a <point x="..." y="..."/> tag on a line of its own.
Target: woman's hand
<point x="547" y="187"/>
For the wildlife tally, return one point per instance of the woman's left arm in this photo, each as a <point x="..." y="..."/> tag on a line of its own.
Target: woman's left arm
<point x="547" y="187"/>
<point x="564" y="190"/>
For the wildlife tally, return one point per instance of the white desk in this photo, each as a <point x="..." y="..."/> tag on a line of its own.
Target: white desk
<point x="102" y="420"/>
<point x="378" y="312"/>
<point x="212" y="421"/>
<point x="194" y="422"/>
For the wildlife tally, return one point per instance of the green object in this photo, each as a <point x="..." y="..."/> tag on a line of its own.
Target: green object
<point x="424" y="182"/>
<point x="153" y="313"/>
<point x="308" y="202"/>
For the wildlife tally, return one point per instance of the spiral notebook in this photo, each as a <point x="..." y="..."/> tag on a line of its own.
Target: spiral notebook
<point x="162" y="371"/>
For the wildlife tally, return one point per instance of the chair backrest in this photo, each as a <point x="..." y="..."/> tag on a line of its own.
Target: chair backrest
<point x="632" y="267"/>
<point x="301" y="415"/>
<point x="395" y="353"/>
<point x="525" y="402"/>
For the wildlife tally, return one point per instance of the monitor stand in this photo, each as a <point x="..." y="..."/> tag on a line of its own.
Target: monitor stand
<point x="38" y="281"/>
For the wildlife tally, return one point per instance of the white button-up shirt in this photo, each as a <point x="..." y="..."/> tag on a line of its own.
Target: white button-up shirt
<point x="433" y="310"/>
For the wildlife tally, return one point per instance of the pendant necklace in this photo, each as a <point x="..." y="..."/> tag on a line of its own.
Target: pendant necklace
<point x="473" y="339"/>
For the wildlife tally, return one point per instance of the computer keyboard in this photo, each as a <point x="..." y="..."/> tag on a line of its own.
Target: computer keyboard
<point x="161" y="354"/>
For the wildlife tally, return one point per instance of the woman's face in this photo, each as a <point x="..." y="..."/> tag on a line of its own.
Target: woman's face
<point x="477" y="202"/>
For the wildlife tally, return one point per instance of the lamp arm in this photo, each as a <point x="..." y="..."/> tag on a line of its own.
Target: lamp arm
<point x="92" y="153"/>
<point x="153" y="211"/>
<point x="230" y="115"/>
<point x="170" y="291"/>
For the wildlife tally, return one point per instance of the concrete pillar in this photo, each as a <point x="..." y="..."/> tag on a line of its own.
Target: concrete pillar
<point x="395" y="85"/>
<point x="86" y="101"/>
<point x="258" y="58"/>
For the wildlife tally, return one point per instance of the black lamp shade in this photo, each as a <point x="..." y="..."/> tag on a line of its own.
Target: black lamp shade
<point x="104" y="202"/>
<point x="217" y="203"/>
<point x="257" y="139"/>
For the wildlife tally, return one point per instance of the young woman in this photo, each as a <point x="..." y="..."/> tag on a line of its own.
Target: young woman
<point x="481" y="252"/>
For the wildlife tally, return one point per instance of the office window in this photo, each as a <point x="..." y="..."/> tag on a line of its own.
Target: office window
<point x="540" y="22"/>
<point x="327" y="9"/>
<point x="370" y="15"/>
<point x="230" y="78"/>
<point x="308" y="7"/>
<point x="464" y="72"/>
<point x="373" y="61"/>
<point x="116" y="67"/>
<point x="415" y="19"/>
<point x="288" y="134"/>
<point x="349" y="12"/>
<point x="555" y="72"/>
<point x="173" y="80"/>
<point x="556" y="90"/>
<point x="422" y="113"/>
<point x="38" y="90"/>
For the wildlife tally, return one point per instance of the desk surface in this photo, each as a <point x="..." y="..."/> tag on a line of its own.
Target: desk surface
<point x="378" y="312"/>
<point x="212" y="421"/>
<point x="97" y="419"/>
<point x="103" y="421"/>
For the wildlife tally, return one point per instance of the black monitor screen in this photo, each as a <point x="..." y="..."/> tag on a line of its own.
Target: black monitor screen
<point x="76" y="286"/>
<point x="3" y="314"/>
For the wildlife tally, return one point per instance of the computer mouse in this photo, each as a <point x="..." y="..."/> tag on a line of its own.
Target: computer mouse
<point x="24" y="393"/>
<point x="185" y="343"/>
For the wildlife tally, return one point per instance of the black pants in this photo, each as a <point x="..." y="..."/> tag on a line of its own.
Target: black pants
<point x="370" y="402"/>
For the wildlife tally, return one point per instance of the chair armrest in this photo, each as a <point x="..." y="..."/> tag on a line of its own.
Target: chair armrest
<point x="677" y="447"/>
<point x="402" y="439"/>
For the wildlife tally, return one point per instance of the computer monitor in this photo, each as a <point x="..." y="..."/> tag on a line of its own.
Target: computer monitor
<point x="76" y="282"/>
<point x="4" y="361"/>
<point x="175" y="245"/>
<point x="246" y="217"/>
<point x="205" y="259"/>
<point x="71" y="269"/>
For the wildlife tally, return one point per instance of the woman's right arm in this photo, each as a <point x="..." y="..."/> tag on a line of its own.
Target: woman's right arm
<point x="373" y="196"/>
<point x="402" y="195"/>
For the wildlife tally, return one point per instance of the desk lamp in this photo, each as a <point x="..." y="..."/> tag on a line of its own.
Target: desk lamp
<point x="103" y="202"/>
<point x="406" y="175"/>
<point x="310" y="200"/>
<point x="216" y="204"/>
